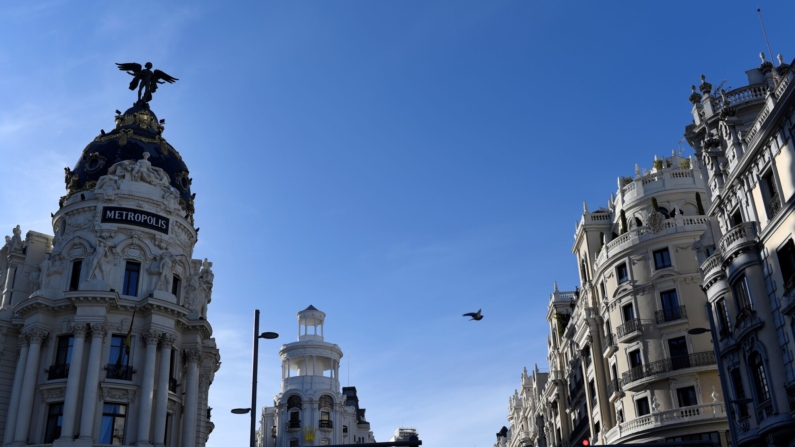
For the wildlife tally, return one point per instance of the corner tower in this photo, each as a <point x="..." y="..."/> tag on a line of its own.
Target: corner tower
<point x="311" y="409"/>
<point x="111" y="312"/>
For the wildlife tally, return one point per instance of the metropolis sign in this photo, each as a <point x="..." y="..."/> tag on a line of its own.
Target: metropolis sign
<point x="129" y="216"/>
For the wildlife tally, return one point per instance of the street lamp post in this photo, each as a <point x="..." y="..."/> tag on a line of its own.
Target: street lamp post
<point x="724" y="384"/>
<point x="254" y="363"/>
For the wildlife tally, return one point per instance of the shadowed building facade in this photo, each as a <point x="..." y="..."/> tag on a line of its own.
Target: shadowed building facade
<point x="104" y="331"/>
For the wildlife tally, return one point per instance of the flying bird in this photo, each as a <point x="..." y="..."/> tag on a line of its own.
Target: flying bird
<point x="475" y="316"/>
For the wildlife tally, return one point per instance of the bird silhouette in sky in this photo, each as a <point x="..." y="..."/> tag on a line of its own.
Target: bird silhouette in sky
<point x="475" y="316"/>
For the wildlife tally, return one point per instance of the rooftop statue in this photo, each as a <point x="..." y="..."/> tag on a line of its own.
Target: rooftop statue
<point x="145" y="79"/>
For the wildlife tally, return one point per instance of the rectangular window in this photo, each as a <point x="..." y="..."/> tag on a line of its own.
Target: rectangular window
<point x="592" y="391"/>
<point x="634" y="359"/>
<point x="670" y="305"/>
<point x="686" y="396"/>
<point x="54" y="420"/>
<point x="63" y="356"/>
<point x="602" y="289"/>
<point x="737" y="218"/>
<point x="119" y="359"/>
<point x="723" y="317"/>
<point x="786" y="260"/>
<point x="643" y="406"/>
<point x="111" y="431"/>
<point x="662" y="259"/>
<point x="739" y="391"/>
<point x="621" y="273"/>
<point x="74" y="277"/>
<point x="769" y="189"/>
<point x="679" y="355"/>
<point x="132" y="271"/>
<point x="741" y="295"/>
<point x="176" y="286"/>
<point x="628" y="312"/>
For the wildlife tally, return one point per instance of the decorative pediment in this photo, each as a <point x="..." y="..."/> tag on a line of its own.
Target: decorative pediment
<point x="52" y="393"/>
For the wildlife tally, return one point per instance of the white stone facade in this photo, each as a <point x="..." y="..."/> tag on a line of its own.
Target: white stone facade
<point x="311" y="409"/>
<point x="744" y="138"/>
<point x="103" y="327"/>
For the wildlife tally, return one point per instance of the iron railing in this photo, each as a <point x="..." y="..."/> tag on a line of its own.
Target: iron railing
<point x="608" y="340"/>
<point x="628" y="327"/>
<point x="58" y="371"/>
<point x="666" y="365"/>
<point x="613" y="387"/>
<point x="671" y="314"/>
<point x="293" y="424"/>
<point x="326" y="424"/>
<point x="120" y="372"/>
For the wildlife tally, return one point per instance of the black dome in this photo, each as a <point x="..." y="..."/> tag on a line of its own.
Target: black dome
<point x="137" y="131"/>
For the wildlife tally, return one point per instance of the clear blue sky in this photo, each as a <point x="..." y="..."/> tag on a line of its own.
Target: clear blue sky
<point x="393" y="163"/>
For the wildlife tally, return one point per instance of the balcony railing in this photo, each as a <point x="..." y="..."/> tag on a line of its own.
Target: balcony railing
<point x="742" y="234"/>
<point x="119" y="372"/>
<point x="293" y="424"/>
<point x="666" y="365"/>
<point x="673" y="416"/>
<point x="326" y="424"/>
<point x="58" y="371"/>
<point x="628" y="328"/>
<point x="671" y="314"/>
<point x="613" y="387"/>
<point x="172" y="385"/>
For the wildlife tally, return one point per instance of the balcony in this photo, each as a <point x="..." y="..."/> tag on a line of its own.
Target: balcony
<point x="614" y="390"/>
<point x="675" y="416"/>
<point x="667" y="365"/>
<point x="119" y="372"/>
<point x="293" y="425"/>
<point x="57" y="371"/>
<point x="741" y="236"/>
<point x="326" y="424"/>
<point x="711" y="266"/>
<point x="628" y="329"/>
<point x="609" y="345"/>
<point x="671" y="314"/>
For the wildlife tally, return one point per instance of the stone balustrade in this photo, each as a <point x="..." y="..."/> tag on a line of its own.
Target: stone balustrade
<point x="741" y="235"/>
<point x="675" y="416"/>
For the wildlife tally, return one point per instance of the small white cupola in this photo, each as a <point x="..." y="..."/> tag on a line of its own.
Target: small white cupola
<point x="310" y="318"/>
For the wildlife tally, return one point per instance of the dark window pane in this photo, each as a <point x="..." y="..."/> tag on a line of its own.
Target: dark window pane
<point x="63" y="355"/>
<point x="739" y="391"/>
<point x="723" y="317"/>
<point x="741" y="295"/>
<point x="176" y="286"/>
<point x="679" y="355"/>
<point x="629" y="312"/>
<point x="662" y="259"/>
<point x="760" y="378"/>
<point x="643" y="406"/>
<point x="131" y="272"/>
<point x="54" y="421"/>
<point x="621" y="273"/>
<point x="74" y="278"/>
<point x="786" y="259"/>
<point x="634" y="359"/>
<point x="687" y="396"/>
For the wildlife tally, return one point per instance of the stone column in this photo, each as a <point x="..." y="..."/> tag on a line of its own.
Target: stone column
<point x="92" y="382"/>
<point x="161" y="404"/>
<point x="73" y="383"/>
<point x="191" y="399"/>
<point x="27" y="396"/>
<point x="19" y="376"/>
<point x="147" y="387"/>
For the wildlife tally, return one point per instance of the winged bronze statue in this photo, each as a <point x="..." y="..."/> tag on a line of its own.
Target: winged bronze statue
<point x="144" y="79"/>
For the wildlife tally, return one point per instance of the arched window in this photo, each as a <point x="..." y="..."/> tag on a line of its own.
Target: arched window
<point x="760" y="377"/>
<point x="325" y="401"/>
<point x="294" y="401"/>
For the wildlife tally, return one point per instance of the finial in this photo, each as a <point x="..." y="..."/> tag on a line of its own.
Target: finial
<point x="762" y="56"/>
<point x="705" y="88"/>
<point x="714" y="395"/>
<point x="556" y="286"/>
<point x="673" y="152"/>
<point x="584" y="206"/>
<point x="694" y="98"/>
<point x="780" y="59"/>
<point x="637" y="170"/>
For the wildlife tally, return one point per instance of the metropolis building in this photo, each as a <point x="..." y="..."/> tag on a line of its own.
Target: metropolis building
<point x="311" y="409"/>
<point x="104" y="337"/>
